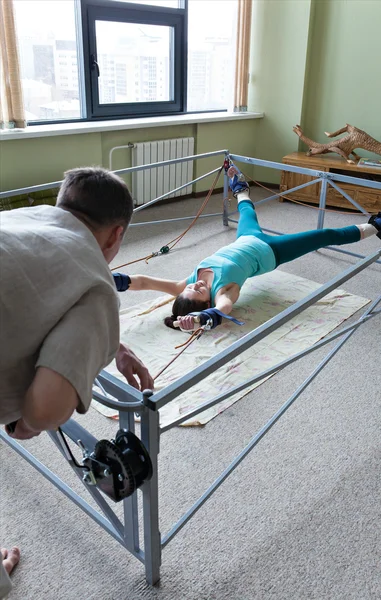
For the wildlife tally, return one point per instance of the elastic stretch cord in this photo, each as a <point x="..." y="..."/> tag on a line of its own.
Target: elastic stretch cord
<point x="195" y="336"/>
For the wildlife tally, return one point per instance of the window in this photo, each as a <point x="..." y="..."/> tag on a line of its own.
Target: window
<point x="94" y="59"/>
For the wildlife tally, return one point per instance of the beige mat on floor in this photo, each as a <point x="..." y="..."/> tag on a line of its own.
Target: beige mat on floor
<point x="261" y="298"/>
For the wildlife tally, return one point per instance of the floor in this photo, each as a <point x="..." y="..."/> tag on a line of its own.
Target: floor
<point x="299" y="518"/>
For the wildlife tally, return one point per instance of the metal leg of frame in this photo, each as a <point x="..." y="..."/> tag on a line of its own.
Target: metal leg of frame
<point x="130" y="504"/>
<point x="150" y="435"/>
<point x="225" y="216"/>
<point x="323" y="195"/>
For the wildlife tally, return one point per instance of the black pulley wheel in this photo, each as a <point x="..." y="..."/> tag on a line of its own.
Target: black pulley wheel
<point x="120" y="466"/>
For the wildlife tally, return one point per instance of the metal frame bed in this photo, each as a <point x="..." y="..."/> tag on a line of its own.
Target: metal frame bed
<point x="115" y="394"/>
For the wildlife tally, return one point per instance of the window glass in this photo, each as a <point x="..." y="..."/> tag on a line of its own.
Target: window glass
<point x="211" y="54"/>
<point x="47" y="44"/>
<point x="134" y="62"/>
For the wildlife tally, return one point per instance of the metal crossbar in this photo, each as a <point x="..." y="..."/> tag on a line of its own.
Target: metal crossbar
<point x="113" y="393"/>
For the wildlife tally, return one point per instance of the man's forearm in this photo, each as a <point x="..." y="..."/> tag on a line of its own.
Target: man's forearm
<point x="49" y="402"/>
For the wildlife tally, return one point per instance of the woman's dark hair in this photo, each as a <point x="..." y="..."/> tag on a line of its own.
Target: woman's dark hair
<point x="183" y="306"/>
<point x="97" y="195"/>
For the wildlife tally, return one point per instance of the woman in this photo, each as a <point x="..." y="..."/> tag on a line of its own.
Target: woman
<point x="215" y="284"/>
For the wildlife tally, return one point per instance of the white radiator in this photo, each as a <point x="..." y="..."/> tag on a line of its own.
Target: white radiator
<point x="152" y="183"/>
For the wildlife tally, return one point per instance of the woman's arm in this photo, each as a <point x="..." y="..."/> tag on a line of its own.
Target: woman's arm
<point x="144" y="282"/>
<point x="224" y="304"/>
<point x="226" y="298"/>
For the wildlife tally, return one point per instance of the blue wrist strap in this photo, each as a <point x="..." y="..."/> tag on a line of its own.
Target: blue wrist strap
<point x="211" y="317"/>
<point x="122" y="282"/>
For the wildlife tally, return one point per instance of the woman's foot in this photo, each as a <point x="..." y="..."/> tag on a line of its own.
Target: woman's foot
<point x="375" y="220"/>
<point x="237" y="181"/>
<point x="10" y="558"/>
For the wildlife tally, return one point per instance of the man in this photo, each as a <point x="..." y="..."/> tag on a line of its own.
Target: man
<point x="59" y="309"/>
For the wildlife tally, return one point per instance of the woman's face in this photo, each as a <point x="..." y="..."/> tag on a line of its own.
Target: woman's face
<point x="197" y="291"/>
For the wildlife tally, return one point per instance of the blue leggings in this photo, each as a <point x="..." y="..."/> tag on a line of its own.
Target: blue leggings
<point x="290" y="246"/>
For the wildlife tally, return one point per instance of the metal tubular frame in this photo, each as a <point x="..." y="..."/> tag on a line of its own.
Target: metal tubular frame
<point x="128" y="401"/>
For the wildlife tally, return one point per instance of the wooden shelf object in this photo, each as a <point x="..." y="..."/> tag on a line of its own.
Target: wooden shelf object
<point x="369" y="199"/>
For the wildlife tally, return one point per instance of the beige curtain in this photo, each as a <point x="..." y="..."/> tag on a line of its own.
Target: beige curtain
<point x="242" y="55"/>
<point x="12" y="112"/>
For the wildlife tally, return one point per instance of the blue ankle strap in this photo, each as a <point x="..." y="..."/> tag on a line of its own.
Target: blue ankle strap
<point x="237" y="185"/>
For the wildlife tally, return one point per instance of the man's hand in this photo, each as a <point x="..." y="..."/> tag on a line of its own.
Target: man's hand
<point x="130" y="366"/>
<point x="22" y="431"/>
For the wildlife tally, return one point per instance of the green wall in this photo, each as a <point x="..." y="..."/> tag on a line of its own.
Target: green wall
<point x="279" y="44"/>
<point x="314" y="62"/>
<point x="239" y="137"/>
<point x="344" y="73"/>
<point x="317" y="63"/>
<point x="40" y="160"/>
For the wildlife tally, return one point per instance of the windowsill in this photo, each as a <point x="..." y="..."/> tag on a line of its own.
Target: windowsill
<point x="35" y="131"/>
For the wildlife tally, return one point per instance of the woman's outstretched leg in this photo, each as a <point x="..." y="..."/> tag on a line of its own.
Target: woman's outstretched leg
<point x="248" y="221"/>
<point x="289" y="247"/>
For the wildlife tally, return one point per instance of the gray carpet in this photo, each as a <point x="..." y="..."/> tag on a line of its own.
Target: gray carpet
<point x="299" y="518"/>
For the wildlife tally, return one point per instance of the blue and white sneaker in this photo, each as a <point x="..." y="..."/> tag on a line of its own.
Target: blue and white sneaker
<point x="237" y="180"/>
<point x="375" y="220"/>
